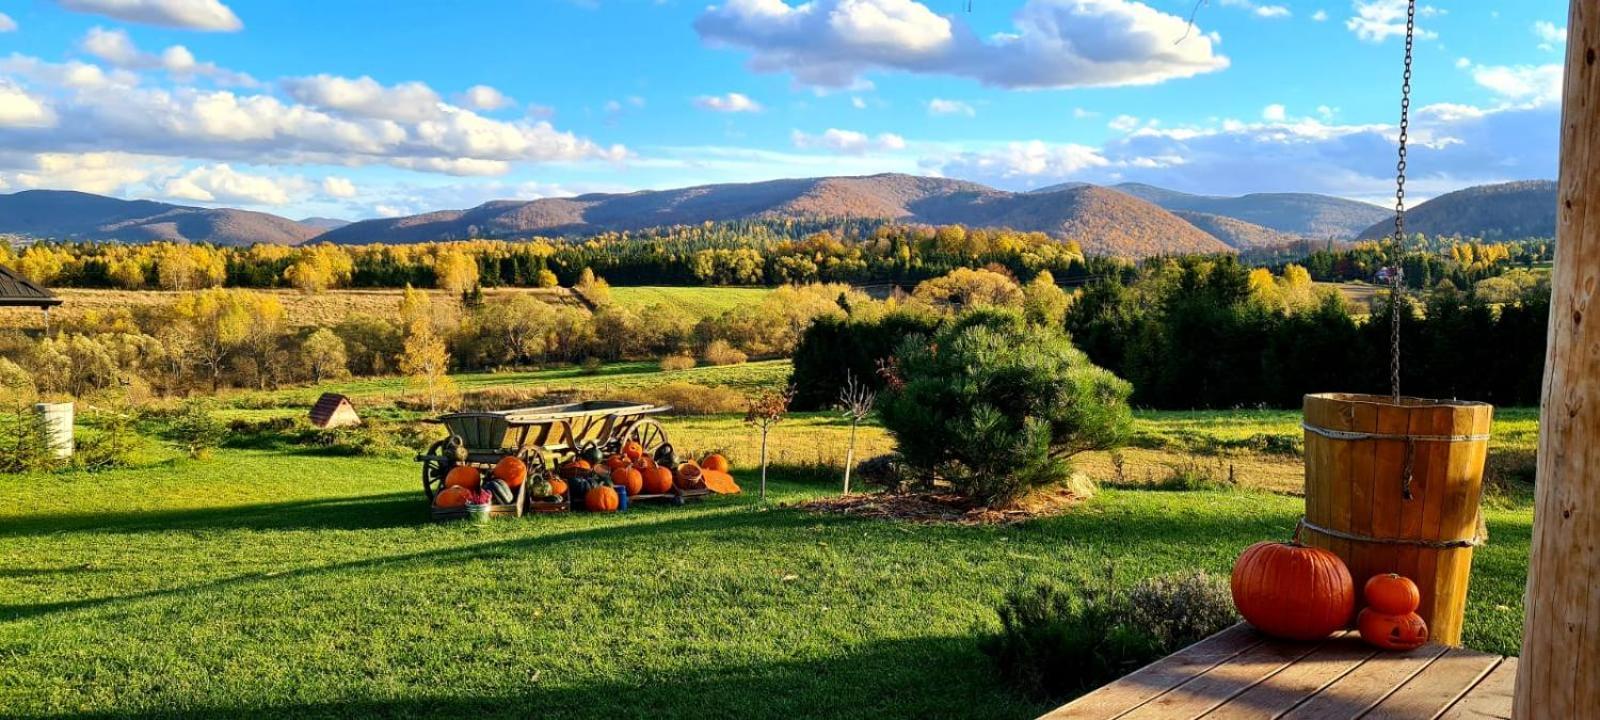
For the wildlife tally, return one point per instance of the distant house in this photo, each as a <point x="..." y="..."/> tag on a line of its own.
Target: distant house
<point x="334" y="410"/>
<point x="18" y="291"/>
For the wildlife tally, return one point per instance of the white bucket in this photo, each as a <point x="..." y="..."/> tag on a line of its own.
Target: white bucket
<point x="56" y="421"/>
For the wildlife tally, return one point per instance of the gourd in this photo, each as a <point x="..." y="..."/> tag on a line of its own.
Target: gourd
<point x="582" y="485"/>
<point x="657" y="480"/>
<point x="452" y="497"/>
<point x="500" y="491"/>
<point x="633" y="450"/>
<point x="592" y="455"/>
<point x="629" y="478"/>
<point x="574" y="469"/>
<point x="1392" y="593"/>
<point x="557" y="486"/>
<point x="616" y="461"/>
<point x="667" y="456"/>
<point x="543" y="489"/>
<point x="715" y="462"/>
<point x="464" y="476"/>
<point x="1293" y="591"/>
<point x="512" y="470"/>
<point x="1390" y="620"/>
<point x="601" y="498"/>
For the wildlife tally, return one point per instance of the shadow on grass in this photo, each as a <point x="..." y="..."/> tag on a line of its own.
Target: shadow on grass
<point x="908" y="678"/>
<point x="354" y="513"/>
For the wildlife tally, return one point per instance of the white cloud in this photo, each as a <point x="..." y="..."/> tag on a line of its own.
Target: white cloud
<point x="18" y="109"/>
<point x="185" y="14"/>
<point x="1081" y="113"/>
<point x="1320" y="15"/>
<point x="483" y="97"/>
<point x="7" y="24"/>
<point x="858" y="103"/>
<point x="1377" y="20"/>
<point x="1550" y="36"/>
<point x="221" y="183"/>
<point x="1274" y="113"/>
<point x="338" y="187"/>
<point x="1123" y="123"/>
<point x="1259" y="10"/>
<point x="1326" y="112"/>
<point x="1538" y="84"/>
<point x="72" y="74"/>
<point x="847" y="142"/>
<point x="1463" y="63"/>
<point x="116" y="48"/>
<point x="941" y="106"/>
<point x="1024" y="160"/>
<point x="365" y="97"/>
<point x="730" y="103"/>
<point x="1054" y="43"/>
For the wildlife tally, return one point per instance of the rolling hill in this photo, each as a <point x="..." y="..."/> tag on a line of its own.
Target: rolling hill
<point x="63" y="214"/>
<point x="1102" y="220"/>
<point x="1507" y="211"/>
<point x="1307" y="215"/>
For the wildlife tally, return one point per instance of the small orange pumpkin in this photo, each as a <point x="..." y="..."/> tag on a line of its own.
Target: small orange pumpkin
<point x="512" y="470"/>
<point x="629" y="478"/>
<point x="657" y="480"/>
<point x="1293" y="591"/>
<point x="558" y="486"/>
<point x="633" y="450"/>
<point x="1392" y="631"/>
<point x="452" y="497"/>
<point x="689" y="477"/>
<point x="715" y="462"/>
<point x="616" y="461"/>
<point x="1392" y="593"/>
<point x="601" y="498"/>
<point x="464" y="476"/>
<point x="644" y="463"/>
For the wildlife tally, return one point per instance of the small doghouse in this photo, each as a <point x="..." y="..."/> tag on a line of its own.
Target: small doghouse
<point x="334" y="410"/>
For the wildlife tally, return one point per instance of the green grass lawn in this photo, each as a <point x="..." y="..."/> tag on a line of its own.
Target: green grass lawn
<point x="293" y="584"/>
<point x="697" y="301"/>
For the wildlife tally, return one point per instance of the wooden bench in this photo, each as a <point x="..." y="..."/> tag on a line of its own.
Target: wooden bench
<point x="1239" y="673"/>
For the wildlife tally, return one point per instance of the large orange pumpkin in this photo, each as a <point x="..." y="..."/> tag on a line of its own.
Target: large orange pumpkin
<point x="633" y="450"/>
<point x="464" y="476"/>
<point x="657" y="480"/>
<point x="1392" y="594"/>
<point x="715" y="462"/>
<point x="1392" y="631"/>
<point x="1292" y="591"/>
<point x="601" y="498"/>
<point x="616" y="461"/>
<point x="452" y="497"/>
<point x="629" y="478"/>
<point x="688" y="477"/>
<point x="512" y="470"/>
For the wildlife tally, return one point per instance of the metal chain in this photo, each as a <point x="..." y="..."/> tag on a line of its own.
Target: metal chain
<point x="1396" y="279"/>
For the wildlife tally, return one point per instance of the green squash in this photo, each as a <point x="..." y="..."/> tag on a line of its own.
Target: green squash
<point x="503" y="494"/>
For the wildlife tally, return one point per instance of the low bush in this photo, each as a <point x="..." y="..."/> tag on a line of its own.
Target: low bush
<point x="691" y="399"/>
<point x="720" y="352"/>
<point x="677" y="362"/>
<point x="1058" y="641"/>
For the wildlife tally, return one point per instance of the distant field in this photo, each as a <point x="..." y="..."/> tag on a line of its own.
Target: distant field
<point x="1360" y="295"/>
<point x="698" y="301"/>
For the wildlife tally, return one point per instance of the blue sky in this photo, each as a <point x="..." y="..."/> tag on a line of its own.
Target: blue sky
<point x="362" y="108"/>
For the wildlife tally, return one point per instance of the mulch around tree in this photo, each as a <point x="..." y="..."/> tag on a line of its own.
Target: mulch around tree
<point x="945" y="507"/>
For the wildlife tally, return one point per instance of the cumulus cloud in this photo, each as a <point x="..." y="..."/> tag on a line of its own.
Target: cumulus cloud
<point x="1378" y="20"/>
<point x="365" y="97"/>
<point x="1274" y="112"/>
<point x="104" y="173"/>
<point x="1053" y="44"/>
<point x="221" y="183"/>
<point x="1026" y="161"/>
<point x="941" y="106"/>
<point x="7" y="24"/>
<point x="1320" y="15"/>
<point x="1258" y="9"/>
<point x="1123" y="123"/>
<point x="483" y="97"/>
<point x="185" y="14"/>
<point x="1538" y="84"/>
<point x="847" y="142"/>
<point x="117" y="49"/>
<point x="730" y="103"/>
<point x="71" y="74"/>
<point x="338" y="187"/>
<point x="18" y="109"/>
<point x="1550" y="36"/>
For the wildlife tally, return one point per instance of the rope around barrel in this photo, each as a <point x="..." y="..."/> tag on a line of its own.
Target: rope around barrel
<point x="1478" y="538"/>
<point x="1356" y="435"/>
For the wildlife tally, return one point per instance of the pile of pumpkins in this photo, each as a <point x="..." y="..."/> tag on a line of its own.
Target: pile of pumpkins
<point x="594" y="480"/>
<point x="465" y="484"/>
<point x="1298" y="592"/>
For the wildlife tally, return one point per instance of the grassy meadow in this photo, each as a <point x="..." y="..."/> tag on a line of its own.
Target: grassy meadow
<point x="284" y="579"/>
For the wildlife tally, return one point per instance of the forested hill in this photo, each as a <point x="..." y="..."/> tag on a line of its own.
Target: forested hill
<point x="64" y="214"/>
<point x="1507" y="211"/>
<point x="1101" y="220"/>
<point x="1308" y="215"/>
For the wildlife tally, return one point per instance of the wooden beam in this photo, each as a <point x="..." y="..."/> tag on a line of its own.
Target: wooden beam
<point x="1559" y="675"/>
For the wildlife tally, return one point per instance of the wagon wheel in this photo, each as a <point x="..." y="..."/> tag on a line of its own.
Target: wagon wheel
<point x="650" y="435"/>
<point x="436" y="464"/>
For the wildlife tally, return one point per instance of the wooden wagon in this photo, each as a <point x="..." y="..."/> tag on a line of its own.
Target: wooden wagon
<point x="545" y="437"/>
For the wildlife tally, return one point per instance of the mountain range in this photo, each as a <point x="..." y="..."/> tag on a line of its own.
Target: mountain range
<point x="1132" y="220"/>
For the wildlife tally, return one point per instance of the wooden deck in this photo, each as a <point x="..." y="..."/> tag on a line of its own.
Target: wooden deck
<point x="1238" y="673"/>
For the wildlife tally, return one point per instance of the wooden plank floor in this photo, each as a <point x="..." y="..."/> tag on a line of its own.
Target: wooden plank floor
<point x="1239" y="673"/>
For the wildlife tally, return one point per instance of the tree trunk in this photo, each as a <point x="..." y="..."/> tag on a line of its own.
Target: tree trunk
<point x="1559" y="674"/>
<point x="850" y="457"/>
<point x="763" y="463"/>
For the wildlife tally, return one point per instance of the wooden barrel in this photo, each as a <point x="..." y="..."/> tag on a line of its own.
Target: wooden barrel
<point x="1395" y="487"/>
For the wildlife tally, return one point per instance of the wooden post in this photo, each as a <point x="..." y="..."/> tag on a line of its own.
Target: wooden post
<point x="1559" y="674"/>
